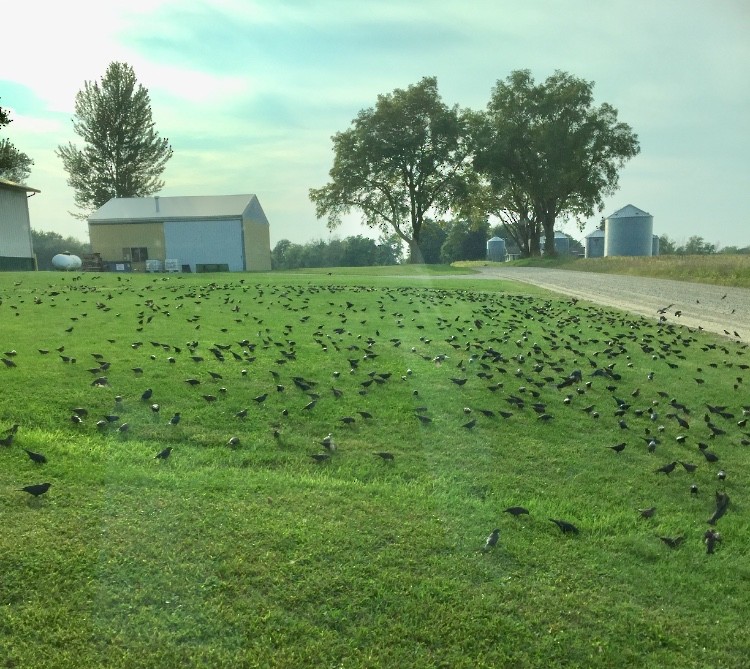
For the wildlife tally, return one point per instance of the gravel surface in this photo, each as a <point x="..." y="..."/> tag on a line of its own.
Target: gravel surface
<point x="725" y="311"/>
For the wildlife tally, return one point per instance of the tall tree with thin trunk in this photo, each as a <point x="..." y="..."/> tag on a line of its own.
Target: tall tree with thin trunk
<point x="123" y="155"/>
<point x="399" y="161"/>
<point x="549" y="145"/>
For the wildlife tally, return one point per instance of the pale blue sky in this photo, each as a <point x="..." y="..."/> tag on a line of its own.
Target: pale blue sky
<point x="249" y="92"/>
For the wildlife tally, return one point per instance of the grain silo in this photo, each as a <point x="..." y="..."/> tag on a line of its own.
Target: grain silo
<point x="496" y="249"/>
<point x="562" y="243"/>
<point x="655" y="245"/>
<point x="629" y="232"/>
<point x="595" y="244"/>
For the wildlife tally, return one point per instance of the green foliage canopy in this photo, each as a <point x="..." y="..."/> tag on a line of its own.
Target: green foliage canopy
<point x="123" y="155"/>
<point x="399" y="161"/>
<point x="547" y="151"/>
<point x="14" y="164"/>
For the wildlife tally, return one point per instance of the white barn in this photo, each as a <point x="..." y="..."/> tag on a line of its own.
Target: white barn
<point x="197" y="233"/>
<point x="16" y="249"/>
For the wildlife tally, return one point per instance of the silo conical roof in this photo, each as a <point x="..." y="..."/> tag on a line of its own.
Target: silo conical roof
<point x="629" y="211"/>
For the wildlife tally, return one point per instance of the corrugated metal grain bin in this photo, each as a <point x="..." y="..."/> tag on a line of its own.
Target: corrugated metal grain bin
<point x="655" y="245"/>
<point x="595" y="244"/>
<point x="496" y="249"/>
<point x="629" y="232"/>
<point x="562" y="243"/>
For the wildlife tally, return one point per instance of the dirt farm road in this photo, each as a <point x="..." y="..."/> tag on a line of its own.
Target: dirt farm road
<point x="719" y="309"/>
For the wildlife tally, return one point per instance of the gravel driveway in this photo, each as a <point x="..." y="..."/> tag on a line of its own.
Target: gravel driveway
<point x="725" y="311"/>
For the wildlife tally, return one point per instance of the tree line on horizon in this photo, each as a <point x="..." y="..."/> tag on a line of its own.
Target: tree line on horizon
<point x="540" y="152"/>
<point x="443" y="243"/>
<point x="427" y="176"/>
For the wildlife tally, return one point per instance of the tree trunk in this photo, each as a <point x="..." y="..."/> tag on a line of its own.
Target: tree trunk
<point x="534" y="247"/>
<point x="415" y="253"/>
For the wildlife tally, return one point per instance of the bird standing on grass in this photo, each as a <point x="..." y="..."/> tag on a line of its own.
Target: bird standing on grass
<point x="667" y="469"/>
<point x="36" y="457"/>
<point x="711" y="537"/>
<point x="492" y="540"/>
<point x="36" y="490"/>
<point x="163" y="455"/>
<point x="565" y="526"/>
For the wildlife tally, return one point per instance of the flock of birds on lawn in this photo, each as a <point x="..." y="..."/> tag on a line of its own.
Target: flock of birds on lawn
<point x="529" y="355"/>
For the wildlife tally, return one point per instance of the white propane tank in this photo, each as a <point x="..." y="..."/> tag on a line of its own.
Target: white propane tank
<point x="66" y="262"/>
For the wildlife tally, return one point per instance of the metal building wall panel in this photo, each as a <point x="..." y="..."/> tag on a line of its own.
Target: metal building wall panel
<point x="205" y="242"/>
<point x="109" y="240"/>
<point x="629" y="236"/>
<point x="15" y="229"/>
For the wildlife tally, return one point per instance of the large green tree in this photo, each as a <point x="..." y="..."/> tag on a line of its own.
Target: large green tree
<point x="14" y="164"/>
<point x="404" y="158"/>
<point x="465" y="240"/>
<point x="123" y="155"/>
<point x="548" y="147"/>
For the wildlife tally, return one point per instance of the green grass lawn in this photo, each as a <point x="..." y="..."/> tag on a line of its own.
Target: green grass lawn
<point x="256" y="555"/>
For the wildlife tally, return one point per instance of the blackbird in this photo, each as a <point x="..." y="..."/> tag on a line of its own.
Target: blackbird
<point x="36" y="490"/>
<point x="667" y="469"/>
<point x="163" y="455"/>
<point x="36" y="457"/>
<point x="516" y="511"/>
<point x="711" y="537"/>
<point x="565" y="526"/>
<point x="673" y="542"/>
<point x="722" y="502"/>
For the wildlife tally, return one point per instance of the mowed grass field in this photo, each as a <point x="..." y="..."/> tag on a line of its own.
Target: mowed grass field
<point x="486" y="395"/>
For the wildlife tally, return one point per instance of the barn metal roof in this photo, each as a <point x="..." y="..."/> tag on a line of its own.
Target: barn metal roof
<point x="629" y="211"/>
<point x="12" y="185"/>
<point x="170" y="208"/>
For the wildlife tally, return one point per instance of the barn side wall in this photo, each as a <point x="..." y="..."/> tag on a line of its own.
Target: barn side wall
<point x="110" y="240"/>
